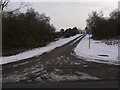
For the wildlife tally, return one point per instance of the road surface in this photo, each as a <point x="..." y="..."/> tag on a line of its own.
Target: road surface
<point x="59" y="68"/>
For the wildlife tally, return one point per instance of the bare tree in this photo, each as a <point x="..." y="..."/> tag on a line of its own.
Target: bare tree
<point x="22" y="5"/>
<point x="4" y="4"/>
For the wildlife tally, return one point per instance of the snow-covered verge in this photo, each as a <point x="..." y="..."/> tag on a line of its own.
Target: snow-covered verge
<point x="98" y="52"/>
<point x="111" y="41"/>
<point x="37" y="51"/>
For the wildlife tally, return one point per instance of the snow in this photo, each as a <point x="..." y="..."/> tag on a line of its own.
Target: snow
<point x="37" y="51"/>
<point x="67" y="77"/>
<point x="50" y="77"/>
<point x="96" y="51"/>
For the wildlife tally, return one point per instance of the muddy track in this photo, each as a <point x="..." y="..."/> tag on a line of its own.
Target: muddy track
<point x="58" y="65"/>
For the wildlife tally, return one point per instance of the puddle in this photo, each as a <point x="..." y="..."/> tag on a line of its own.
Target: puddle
<point x="104" y="55"/>
<point x="96" y="42"/>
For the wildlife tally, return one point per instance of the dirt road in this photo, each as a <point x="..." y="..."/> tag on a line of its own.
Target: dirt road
<point x="59" y="65"/>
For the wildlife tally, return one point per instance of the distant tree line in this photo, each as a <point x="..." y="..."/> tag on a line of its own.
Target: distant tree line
<point x="26" y="29"/>
<point x="102" y="27"/>
<point x="68" y="32"/>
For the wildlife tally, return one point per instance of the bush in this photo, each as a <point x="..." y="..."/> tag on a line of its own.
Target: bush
<point x="102" y="27"/>
<point x="71" y="32"/>
<point x="26" y="29"/>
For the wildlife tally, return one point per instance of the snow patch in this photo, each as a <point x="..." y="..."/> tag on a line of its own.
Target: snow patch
<point x="97" y="51"/>
<point x="67" y="77"/>
<point x="75" y="41"/>
<point x="86" y="76"/>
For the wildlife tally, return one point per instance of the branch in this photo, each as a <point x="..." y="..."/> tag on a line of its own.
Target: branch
<point x="4" y="4"/>
<point x="20" y="7"/>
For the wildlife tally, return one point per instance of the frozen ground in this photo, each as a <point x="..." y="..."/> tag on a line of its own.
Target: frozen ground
<point x="37" y="51"/>
<point x="56" y="76"/>
<point x="98" y="52"/>
<point x="60" y="65"/>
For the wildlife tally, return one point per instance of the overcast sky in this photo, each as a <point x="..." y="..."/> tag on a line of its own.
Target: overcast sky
<point x="69" y="14"/>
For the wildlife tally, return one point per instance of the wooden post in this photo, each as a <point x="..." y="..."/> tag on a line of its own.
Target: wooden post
<point x="89" y="41"/>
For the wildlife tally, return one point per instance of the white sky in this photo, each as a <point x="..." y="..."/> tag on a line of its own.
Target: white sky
<point x="69" y="13"/>
<point x="64" y="0"/>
